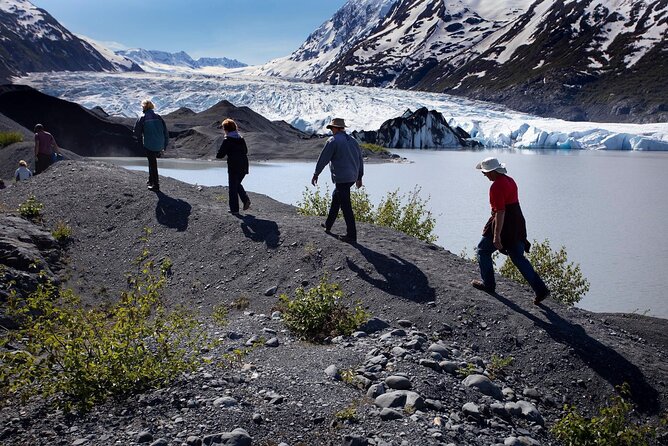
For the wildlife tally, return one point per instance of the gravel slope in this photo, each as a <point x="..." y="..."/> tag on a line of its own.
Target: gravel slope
<point x="282" y="392"/>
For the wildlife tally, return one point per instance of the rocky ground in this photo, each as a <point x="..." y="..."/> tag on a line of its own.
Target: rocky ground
<point x="394" y="382"/>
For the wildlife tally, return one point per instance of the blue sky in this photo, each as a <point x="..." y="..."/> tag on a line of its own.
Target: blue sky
<point x="251" y="31"/>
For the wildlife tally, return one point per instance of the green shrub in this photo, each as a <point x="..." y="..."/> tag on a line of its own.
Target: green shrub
<point x="373" y="147"/>
<point x="468" y="369"/>
<point x="612" y="427"/>
<point x="497" y="366"/>
<point x="79" y="357"/>
<point x="7" y="138"/>
<point x="348" y="414"/>
<point x="405" y="213"/>
<point x="219" y="315"/>
<point x="62" y="232"/>
<point x="565" y="280"/>
<point x="319" y="313"/>
<point x="31" y="208"/>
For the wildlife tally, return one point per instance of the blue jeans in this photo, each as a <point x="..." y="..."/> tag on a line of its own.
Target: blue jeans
<point x="516" y="253"/>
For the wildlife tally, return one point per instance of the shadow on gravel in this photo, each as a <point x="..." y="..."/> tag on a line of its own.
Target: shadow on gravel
<point x="603" y="360"/>
<point x="399" y="277"/>
<point x="260" y="230"/>
<point x="172" y="212"/>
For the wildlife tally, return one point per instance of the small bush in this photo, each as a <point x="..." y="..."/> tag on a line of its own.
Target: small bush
<point x="565" y="280"/>
<point x="348" y="414"/>
<point x="62" y="232"/>
<point x="240" y="303"/>
<point x="497" y="366"/>
<point x="31" y="208"/>
<point x="7" y="138"/>
<point x="80" y="357"/>
<point x="319" y="313"/>
<point x="612" y="427"/>
<point x="405" y="213"/>
<point x="468" y="369"/>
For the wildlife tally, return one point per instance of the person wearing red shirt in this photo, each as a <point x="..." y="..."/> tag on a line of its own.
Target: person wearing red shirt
<point x="505" y="231"/>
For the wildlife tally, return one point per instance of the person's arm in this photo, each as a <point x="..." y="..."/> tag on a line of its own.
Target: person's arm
<point x="16" y="175"/>
<point x="499" y="217"/>
<point x="360" y="172"/>
<point x="139" y="130"/>
<point x="324" y="159"/>
<point x="222" y="151"/>
<point x="165" y="133"/>
<point x="55" y="145"/>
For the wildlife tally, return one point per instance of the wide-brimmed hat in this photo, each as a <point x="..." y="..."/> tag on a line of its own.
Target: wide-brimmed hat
<point x="491" y="164"/>
<point x="337" y="122"/>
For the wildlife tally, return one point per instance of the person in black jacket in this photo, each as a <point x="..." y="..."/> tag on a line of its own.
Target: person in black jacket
<point x="234" y="147"/>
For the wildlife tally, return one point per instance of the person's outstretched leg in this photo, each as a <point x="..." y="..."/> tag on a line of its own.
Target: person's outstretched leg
<point x="347" y="209"/>
<point x="333" y="210"/>
<point x="153" y="182"/>
<point x="526" y="269"/>
<point x="484" y="253"/>
<point x="242" y="192"/>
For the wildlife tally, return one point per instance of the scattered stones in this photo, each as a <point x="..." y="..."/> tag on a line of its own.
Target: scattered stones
<point x="484" y="386"/>
<point x="271" y="291"/>
<point x="374" y="325"/>
<point x="225" y="401"/>
<point x="144" y="437"/>
<point x="398" y="382"/>
<point x="333" y="372"/>
<point x="387" y="414"/>
<point x="272" y="342"/>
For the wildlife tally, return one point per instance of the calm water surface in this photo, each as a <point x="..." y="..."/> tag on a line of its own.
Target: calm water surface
<point x="608" y="209"/>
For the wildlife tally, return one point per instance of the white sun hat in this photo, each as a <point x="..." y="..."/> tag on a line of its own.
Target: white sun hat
<point x="491" y="164"/>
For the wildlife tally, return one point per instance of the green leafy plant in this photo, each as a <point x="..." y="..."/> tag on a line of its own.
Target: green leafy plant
<point x="612" y="426"/>
<point x="31" y="209"/>
<point x="220" y="314"/>
<point x="7" y="138"/>
<point x="62" y="232"/>
<point x="497" y="366"/>
<point x="319" y="312"/>
<point x="78" y="357"/>
<point x="564" y="279"/>
<point x="406" y="213"/>
<point x="468" y="369"/>
<point x="166" y="266"/>
<point x="348" y="414"/>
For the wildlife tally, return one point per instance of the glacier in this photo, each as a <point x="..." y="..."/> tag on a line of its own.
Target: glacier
<point x="310" y="107"/>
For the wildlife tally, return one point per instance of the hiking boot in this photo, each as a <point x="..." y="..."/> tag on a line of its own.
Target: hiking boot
<point x="246" y="205"/>
<point x="327" y="230"/>
<point x="541" y="297"/>
<point x="154" y="187"/>
<point x="478" y="284"/>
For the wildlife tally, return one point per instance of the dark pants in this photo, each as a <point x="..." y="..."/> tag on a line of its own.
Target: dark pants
<point x="341" y="200"/>
<point x="42" y="162"/>
<point x="236" y="190"/>
<point x="152" y="157"/>
<point x="516" y="253"/>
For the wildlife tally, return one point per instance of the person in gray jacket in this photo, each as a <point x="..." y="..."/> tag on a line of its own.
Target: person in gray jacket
<point x="344" y="157"/>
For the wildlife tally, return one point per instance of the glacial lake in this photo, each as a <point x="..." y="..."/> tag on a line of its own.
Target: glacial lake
<point x="609" y="209"/>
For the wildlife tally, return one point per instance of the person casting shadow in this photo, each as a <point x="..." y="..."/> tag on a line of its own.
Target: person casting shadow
<point x="259" y="230"/>
<point x="399" y="277"/>
<point x="172" y="212"/>
<point x="602" y="359"/>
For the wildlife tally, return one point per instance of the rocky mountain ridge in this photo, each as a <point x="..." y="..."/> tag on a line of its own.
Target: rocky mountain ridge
<point x="154" y="60"/>
<point x="32" y="40"/>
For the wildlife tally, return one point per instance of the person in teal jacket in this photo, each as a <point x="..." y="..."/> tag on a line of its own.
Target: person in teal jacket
<point x="151" y="132"/>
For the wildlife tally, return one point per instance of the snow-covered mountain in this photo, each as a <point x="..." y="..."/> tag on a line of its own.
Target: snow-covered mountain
<point x="349" y="25"/>
<point x="587" y="59"/>
<point x="162" y="61"/>
<point x="32" y="40"/>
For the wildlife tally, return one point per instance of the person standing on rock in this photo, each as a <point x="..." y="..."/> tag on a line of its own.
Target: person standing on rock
<point x="505" y="231"/>
<point x="22" y="173"/>
<point x="151" y="132"/>
<point x="234" y="147"/>
<point x="344" y="157"/>
<point x="45" y="144"/>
